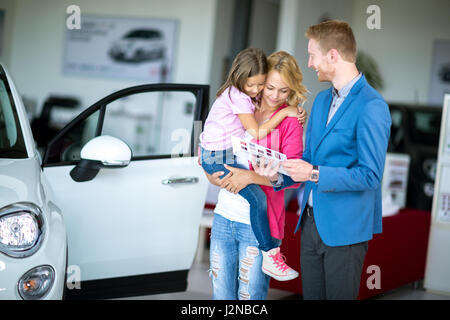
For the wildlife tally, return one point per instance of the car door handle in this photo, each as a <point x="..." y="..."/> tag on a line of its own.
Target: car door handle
<point x="188" y="180"/>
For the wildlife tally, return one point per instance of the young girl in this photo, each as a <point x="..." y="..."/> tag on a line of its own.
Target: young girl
<point x="232" y="115"/>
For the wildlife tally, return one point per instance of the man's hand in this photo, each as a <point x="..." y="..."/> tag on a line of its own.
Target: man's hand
<point x="215" y="177"/>
<point x="298" y="169"/>
<point x="265" y="169"/>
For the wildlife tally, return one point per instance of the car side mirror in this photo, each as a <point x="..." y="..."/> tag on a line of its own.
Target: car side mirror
<point x="101" y="152"/>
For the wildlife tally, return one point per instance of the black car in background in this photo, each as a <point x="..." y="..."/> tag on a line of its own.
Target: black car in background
<point x="415" y="131"/>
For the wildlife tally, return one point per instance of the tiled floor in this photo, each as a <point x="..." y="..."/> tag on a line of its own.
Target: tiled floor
<point x="199" y="288"/>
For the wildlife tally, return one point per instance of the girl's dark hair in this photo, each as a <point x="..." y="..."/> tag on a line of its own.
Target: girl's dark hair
<point x="248" y="63"/>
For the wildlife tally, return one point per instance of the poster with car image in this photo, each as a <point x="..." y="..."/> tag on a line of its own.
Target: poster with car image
<point x="121" y="48"/>
<point x="395" y="178"/>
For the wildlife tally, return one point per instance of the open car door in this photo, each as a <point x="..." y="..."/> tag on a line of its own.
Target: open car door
<point x="132" y="230"/>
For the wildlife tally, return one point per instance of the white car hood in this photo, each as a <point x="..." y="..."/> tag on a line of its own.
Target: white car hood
<point x="20" y="180"/>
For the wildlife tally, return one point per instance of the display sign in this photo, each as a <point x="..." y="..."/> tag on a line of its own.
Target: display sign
<point x="444" y="207"/>
<point x="447" y="139"/>
<point x="441" y="203"/>
<point x="443" y="196"/>
<point x="437" y="272"/>
<point x="395" y="178"/>
<point x="126" y="48"/>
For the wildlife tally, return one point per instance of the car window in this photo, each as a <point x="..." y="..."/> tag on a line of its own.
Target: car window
<point x="68" y="146"/>
<point x="152" y="123"/>
<point x="144" y="34"/>
<point x="155" y="120"/>
<point x="397" y="136"/>
<point x="12" y="144"/>
<point x="425" y="127"/>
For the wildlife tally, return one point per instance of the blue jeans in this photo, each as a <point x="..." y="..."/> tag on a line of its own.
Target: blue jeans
<point x="236" y="262"/>
<point x="213" y="161"/>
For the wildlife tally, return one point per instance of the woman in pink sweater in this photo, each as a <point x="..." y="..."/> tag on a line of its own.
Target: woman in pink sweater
<point x="234" y="248"/>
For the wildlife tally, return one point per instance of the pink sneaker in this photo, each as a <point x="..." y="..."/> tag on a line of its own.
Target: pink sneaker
<point x="275" y="266"/>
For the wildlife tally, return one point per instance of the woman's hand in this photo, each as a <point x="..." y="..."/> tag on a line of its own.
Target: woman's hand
<point x="237" y="181"/>
<point x="302" y="115"/>
<point x="291" y="111"/>
<point x="297" y="112"/>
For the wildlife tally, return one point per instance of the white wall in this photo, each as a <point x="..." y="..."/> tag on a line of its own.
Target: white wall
<point x="264" y="25"/>
<point x="221" y="46"/>
<point x="403" y="47"/>
<point x="37" y="44"/>
<point x="34" y="35"/>
<point x="311" y="12"/>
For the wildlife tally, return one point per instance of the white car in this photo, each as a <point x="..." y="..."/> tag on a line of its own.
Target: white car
<point x="116" y="200"/>
<point x="139" y="45"/>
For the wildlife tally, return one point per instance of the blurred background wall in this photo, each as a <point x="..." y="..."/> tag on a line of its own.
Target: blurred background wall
<point x="211" y="32"/>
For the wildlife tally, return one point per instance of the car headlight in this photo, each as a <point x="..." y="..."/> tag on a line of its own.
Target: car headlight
<point x="21" y="229"/>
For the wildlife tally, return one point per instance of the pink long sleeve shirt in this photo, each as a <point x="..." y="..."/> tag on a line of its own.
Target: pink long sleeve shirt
<point x="287" y="139"/>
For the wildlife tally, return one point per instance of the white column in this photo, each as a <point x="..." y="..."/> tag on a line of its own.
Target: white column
<point x="288" y="25"/>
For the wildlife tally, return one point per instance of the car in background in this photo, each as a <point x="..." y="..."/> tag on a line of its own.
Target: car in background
<point x="415" y="131"/>
<point x="139" y="45"/>
<point x="100" y="203"/>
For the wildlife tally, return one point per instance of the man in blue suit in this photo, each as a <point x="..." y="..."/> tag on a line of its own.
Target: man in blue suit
<point x="342" y="167"/>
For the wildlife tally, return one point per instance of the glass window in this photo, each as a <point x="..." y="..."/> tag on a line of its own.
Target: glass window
<point x="425" y="127"/>
<point x="68" y="147"/>
<point x="152" y="123"/>
<point x="397" y="137"/>
<point x="12" y="144"/>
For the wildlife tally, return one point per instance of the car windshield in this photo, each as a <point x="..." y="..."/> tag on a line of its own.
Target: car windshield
<point x="11" y="139"/>
<point x="143" y="34"/>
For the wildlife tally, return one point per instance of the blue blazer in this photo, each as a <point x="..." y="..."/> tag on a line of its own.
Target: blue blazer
<point x="350" y="152"/>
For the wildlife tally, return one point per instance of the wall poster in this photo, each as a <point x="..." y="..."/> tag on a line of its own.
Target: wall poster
<point x="122" y="48"/>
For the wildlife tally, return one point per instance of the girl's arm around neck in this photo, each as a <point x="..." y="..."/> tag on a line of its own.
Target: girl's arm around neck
<point x="261" y="131"/>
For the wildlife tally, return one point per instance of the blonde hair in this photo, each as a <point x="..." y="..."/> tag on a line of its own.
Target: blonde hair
<point x="334" y="34"/>
<point x="248" y="63"/>
<point x="291" y="74"/>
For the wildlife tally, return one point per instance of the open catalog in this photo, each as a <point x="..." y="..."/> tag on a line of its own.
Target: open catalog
<point x="250" y="151"/>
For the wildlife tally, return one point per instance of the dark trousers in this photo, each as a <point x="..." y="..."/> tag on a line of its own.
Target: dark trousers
<point x="331" y="273"/>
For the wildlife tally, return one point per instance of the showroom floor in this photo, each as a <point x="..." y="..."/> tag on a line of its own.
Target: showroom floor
<point x="199" y="288"/>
